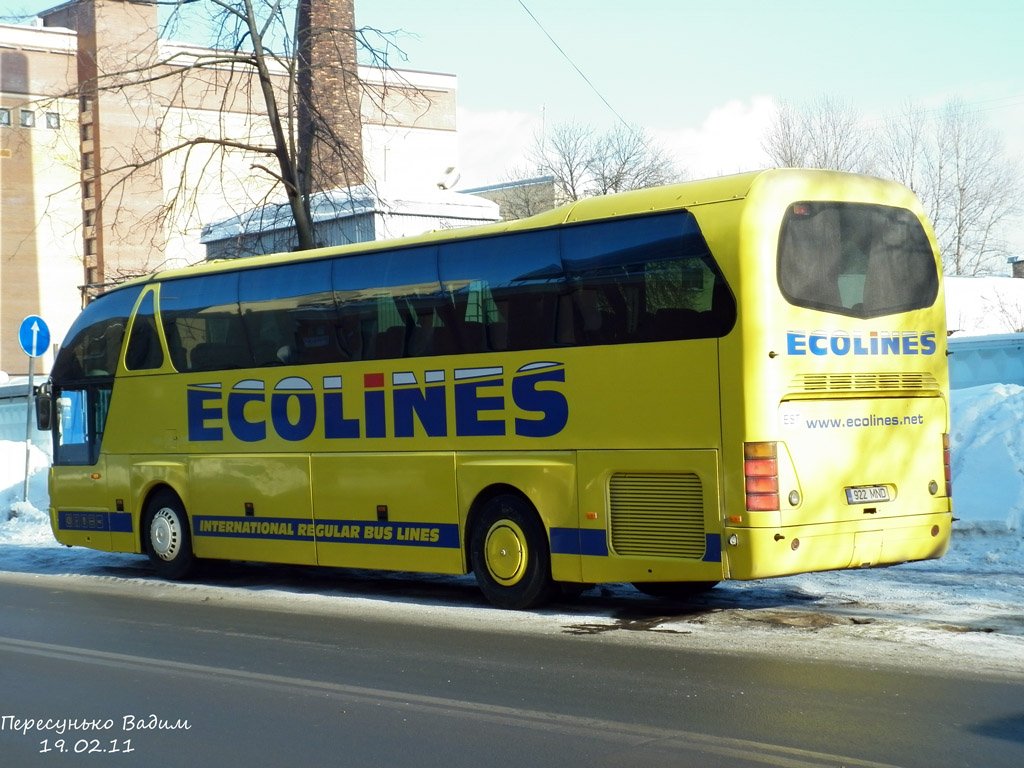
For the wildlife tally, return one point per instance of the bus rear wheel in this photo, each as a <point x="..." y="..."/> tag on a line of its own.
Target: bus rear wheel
<point x="167" y="537"/>
<point x="509" y="553"/>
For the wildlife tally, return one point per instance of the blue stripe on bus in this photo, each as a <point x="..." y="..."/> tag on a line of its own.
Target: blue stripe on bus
<point x="589" y="541"/>
<point x="579" y="541"/>
<point x="112" y="522"/>
<point x="712" y="548"/>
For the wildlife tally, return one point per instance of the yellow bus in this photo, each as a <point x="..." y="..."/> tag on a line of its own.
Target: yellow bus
<point x="727" y="379"/>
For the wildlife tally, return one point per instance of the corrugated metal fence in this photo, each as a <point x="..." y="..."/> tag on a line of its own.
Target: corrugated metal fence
<point x="13" y="415"/>
<point x="977" y="360"/>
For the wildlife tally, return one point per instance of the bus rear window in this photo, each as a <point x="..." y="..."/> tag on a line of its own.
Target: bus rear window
<point x="856" y="259"/>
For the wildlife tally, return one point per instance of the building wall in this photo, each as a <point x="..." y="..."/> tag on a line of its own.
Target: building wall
<point x="40" y="208"/>
<point x="62" y="226"/>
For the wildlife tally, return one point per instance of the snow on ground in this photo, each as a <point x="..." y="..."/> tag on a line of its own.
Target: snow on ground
<point x="968" y="605"/>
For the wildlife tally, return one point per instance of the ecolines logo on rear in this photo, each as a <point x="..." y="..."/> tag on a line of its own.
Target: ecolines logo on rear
<point x="841" y="343"/>
<point x="293" y="409"/>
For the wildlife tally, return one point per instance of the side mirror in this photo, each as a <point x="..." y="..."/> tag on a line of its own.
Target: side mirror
<point x="44" y="409"/>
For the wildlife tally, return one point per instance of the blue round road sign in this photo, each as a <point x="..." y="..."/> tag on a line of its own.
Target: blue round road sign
<point x="34" y="336"/>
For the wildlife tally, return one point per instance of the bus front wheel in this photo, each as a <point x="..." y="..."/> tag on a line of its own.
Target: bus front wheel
<point x="509" y="553"/>
<point x="168" y="540"/>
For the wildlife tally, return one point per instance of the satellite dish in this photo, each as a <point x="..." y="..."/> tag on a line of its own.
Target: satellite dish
<point x="449" y="179"/>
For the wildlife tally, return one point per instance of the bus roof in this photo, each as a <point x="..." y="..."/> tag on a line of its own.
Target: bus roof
<point x="675" y="196"/>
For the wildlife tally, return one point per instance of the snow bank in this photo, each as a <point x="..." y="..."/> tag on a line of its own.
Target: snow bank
<point x="988" y="455"/>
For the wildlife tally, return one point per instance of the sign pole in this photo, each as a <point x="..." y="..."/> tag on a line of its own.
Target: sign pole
<point x="28" y="421"/>
<point x="34" y="338"/>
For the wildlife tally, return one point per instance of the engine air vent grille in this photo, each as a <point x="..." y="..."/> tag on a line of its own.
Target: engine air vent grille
<point x="660" y="515"/>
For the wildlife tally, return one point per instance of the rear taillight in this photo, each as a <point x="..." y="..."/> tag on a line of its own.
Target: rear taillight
<point x="946" y="464"/>
<point x="761" y="476"/>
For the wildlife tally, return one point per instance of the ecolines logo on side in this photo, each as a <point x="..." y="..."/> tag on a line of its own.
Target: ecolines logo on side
<point x="293" y="408"/>
<point x="874" y="343"/>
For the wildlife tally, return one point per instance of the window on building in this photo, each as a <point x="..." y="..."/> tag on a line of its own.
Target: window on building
<point x="28" y="118"/>
<point x="52" y="120"/>
<point x="5" y="116"/>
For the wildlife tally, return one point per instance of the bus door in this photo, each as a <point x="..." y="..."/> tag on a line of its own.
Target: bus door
<point x="395" y="511"/>
<point x="84" y="513"/>
<point x="251" y="507"/>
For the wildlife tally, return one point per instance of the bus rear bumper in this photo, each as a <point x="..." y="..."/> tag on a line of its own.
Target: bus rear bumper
<point x="757" y="553"/>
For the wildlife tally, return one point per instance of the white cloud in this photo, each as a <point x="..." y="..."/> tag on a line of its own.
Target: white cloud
<point x="492" y="143"/>
<point x="727" y="141"/>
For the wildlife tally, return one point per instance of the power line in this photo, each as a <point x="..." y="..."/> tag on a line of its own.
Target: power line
<point x="573" y="65"/>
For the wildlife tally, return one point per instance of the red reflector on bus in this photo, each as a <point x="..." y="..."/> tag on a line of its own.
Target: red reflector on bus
<point x="762" y="484"/>
<point x="761" y="468"/>
<point x="801" y="209"/>
<point x="762" y="502"/>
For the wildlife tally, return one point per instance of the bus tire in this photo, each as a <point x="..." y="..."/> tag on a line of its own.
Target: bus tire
<point x="167" y="537"/>
<point x="674" y="590"/>
<point x="509" y="553"/>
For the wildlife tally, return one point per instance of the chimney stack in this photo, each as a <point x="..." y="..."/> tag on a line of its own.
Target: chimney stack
<point x="329" y="115"/>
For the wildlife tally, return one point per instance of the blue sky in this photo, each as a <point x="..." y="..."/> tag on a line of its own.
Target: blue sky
<point x="703" y="76"/>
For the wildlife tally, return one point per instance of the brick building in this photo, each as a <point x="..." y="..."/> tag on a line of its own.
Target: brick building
<point x="72" y="217"/>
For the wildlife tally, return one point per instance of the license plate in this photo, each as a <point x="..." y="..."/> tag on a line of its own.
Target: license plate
<point x="867" y="494"/>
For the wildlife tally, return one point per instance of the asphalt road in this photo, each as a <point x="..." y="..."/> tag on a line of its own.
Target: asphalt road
<point x="87" y="667"/>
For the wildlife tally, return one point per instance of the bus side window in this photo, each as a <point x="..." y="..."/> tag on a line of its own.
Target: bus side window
<point x="203" y="323"/>
<point x="651" y="278"/>
<point x="144" y="351"/>
<point x="505" y="290"/>
<point x="93" y="345"/>
<point x="289" y="314"/>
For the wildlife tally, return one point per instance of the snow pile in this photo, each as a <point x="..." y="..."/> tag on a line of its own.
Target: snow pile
<point x="22" y="521"/>
<point x="988" y="456"/>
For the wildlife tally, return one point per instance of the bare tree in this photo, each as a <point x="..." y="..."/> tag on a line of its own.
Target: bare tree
<point x="626" y="158"/>
<point x="1010" y="311"/>
<point x="959" y="169"/>
<point x="565" y="156"/>
<point x="826" y="134"/>
<point x="267" y="47"/>
<point x="583" y="163"/>
<point x="233" y="125"/>
<point x="524" y="193"/>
